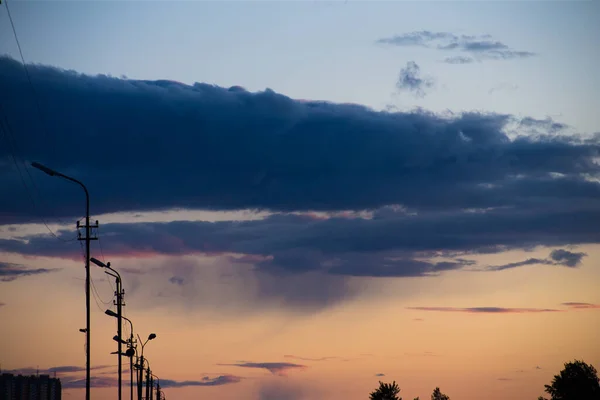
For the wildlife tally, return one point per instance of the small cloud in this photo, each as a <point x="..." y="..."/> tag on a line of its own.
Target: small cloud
<point x="177" y="280"/>
<point x="459" y="60"/>
<point x="560" y="257"/>
<point x="504" y="379"/>
<point x="410" y="80"/>
<point x="205" y="381"/>
<point x="579" y="306"/>
<point x="567" y="258"/>
<point x="538" y="367"/>
<point x="380" y="374"/>
<point x="479" y="47"/>
<point x="276" y="368"/>
<point x="485" y="310"/>
<point x="2" y="304"/>
<point x="70" y="382"/>
<point x="9" y="271"/>
<point x="418" y="319"/>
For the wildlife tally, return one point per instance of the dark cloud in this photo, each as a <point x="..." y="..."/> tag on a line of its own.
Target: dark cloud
<point x="177" y="280"/>
<point x="380" y="374"/>
<point x="485" y="310"/>
<point x="557" y="257"/>
<point x="566" y="258"/>
<point x="580" y="306"/>
<point x="166" y="145"/>
<point x="276" y="368"/>
<point x="410" y="80"/>
<point x="205" y="381"/>
<point x="395" y="244"/>
<point x="9" y="271"/>
<point x="481" y="47"/>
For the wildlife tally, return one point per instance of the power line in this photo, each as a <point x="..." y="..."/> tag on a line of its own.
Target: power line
<point x="13" y="149"/>
<point x="41" y="116"/>
<point x="35" y="97"/>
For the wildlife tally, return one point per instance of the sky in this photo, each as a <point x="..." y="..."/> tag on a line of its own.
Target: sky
<point x="304" y="197"/>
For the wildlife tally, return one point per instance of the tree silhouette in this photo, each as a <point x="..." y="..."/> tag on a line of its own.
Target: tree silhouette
<point x="386" y="391"/>
<point x="577" y="381"/>
<point x="438" y="395"/>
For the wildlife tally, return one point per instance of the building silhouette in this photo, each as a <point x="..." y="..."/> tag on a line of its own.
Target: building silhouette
<point x="34" y="387"/>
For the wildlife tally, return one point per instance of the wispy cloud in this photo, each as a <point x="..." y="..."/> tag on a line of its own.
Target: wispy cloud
<point x="560" y="257"/>
<point x="486" y="310"/>
<point x="410" y="80"/>
<point x="9" y="271"/>
<point x="311" y="359"/>
<point x="276" y="368"/>
<point x="70" y="382"/>
<point x="380" y="374"/>
<point x="581" y="306"/>
<point x="479" y="47"/>
<point x="63" y="369"/>
<point x="205" y="381"/>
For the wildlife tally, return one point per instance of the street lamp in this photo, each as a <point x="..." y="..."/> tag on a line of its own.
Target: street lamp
<point x="131" y="351"/>
<point x="119" y="294"/>
<point x="157" y="387"/>
<point x="87" y="239"/>
<point x="141" y="365"/>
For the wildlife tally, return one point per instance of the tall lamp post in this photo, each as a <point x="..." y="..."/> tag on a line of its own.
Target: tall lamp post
<point x="141" y="365"/>
<point x="131" y="349"/>
<point x="119" y="294"/>
<point x="87" y="239"/>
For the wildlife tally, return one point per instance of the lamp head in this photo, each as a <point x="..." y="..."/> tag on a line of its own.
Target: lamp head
<point x="99" y="263"/>
<point x="152" y="336"/>
<point x="111" y="313"/>
<point x="43" y="168"/>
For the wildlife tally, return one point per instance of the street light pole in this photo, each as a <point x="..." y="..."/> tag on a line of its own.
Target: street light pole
<point x="141" y="364"/>
<point x="119" y="303"/>
<point x="87" y="239"/>
<point x="131" y="349"/>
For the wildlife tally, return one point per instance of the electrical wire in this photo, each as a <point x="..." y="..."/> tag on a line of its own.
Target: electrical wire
<point x="103" y="259"/>
<point x="35" y="96"/>
<point x="14" y="150"/>
<point x="94" y="292"/>
<point x="43" y="122"/>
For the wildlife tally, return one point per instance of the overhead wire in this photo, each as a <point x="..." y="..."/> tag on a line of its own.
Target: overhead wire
<point x="8" y="129"/>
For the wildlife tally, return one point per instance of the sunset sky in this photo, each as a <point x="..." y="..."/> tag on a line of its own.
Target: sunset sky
<point x="304" y="198"/>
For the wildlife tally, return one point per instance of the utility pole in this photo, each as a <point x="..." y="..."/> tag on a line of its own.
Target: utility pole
<point x="140" y="376"/>
<point x="132" y="351"/>
<point x="119" y="293"/>
<point x="88" y="238"/>
<point x="148" y="383"/>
